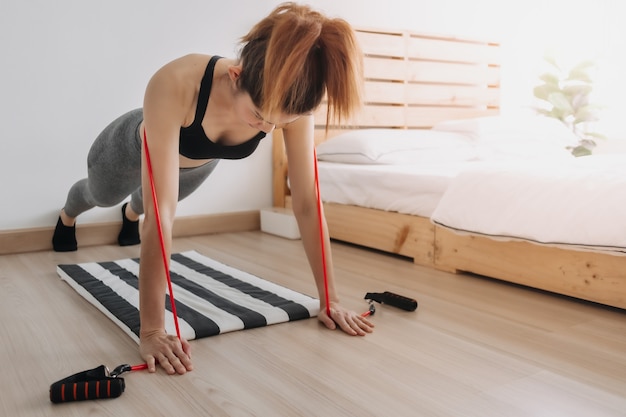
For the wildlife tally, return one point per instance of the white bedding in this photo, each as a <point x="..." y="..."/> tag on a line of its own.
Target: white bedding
<point x="408" y="189"/>
<point x="577" y="202"/>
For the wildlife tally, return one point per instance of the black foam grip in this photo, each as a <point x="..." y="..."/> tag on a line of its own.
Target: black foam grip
<point x="87" y="385"/>
<point x="399" y="301"/>
<point x="87" y="390"/>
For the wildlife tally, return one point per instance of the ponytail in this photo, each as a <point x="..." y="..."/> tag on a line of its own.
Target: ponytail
<point x="295" y="56"/>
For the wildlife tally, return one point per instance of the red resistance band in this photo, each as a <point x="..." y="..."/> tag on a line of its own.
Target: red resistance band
<point x="157" y="218"/>
<point x="371" y="309"/>
<point x="321" y="226"/>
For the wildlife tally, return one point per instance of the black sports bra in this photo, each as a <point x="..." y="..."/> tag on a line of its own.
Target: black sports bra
<point x="193" y="142"/>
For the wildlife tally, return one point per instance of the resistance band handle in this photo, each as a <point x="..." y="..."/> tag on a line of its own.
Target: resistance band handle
<point x="87" y="390"/>
<point x="393" y="299"/>
<point x="87" y="385"/>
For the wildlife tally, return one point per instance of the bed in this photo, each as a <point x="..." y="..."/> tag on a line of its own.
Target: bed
<point x="445" y="91"/>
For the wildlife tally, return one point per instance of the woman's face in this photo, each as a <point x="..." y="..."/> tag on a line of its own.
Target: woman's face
<point x="252" y="116"/>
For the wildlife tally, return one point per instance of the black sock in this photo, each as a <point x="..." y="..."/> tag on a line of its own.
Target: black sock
<point x="129" y="235"/>
<point x="64" y="238"/>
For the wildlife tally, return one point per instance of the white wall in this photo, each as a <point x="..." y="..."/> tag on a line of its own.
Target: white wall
<point x="69" y="67"/>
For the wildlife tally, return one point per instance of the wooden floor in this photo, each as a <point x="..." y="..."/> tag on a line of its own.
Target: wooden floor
<point x="474" y="347"/>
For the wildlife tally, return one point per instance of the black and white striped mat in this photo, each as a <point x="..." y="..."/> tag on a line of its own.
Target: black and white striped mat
<point x="211" y="298"/>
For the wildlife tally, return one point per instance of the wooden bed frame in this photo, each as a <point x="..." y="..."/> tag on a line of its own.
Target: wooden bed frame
<point x="414" y="81"/>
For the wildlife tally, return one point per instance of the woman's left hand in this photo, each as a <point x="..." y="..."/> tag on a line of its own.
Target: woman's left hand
<point x="349" y="321"/>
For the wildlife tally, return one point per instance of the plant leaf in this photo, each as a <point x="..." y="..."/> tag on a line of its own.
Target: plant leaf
<point x="552" y="61"/>
<point x="561" y="102"/>
<point x="544" y="90"/>
<point x="581" y="151"/>
<point x="579" y="75"/>
<point x="584" y="65"/>
<point x="578" y="94"/>
<point x="596" y="135"/>
<point x="550" y="78"/>
<point x="558" y="114"/>
<point x="572" y="90"/>
<point x="585" y="114"/>
<point x="580" y="72"/>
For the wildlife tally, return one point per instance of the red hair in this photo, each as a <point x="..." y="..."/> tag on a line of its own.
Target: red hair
<point x="295" y="56"/>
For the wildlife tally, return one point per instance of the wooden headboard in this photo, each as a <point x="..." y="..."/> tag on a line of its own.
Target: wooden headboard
<point x="412" y="81"/>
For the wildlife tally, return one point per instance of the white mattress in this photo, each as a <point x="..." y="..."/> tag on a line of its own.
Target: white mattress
<point x="579" y="202"/>
<point x="409" y="189"/>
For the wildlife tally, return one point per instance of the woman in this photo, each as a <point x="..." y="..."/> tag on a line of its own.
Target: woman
<point x="199" y="109"/>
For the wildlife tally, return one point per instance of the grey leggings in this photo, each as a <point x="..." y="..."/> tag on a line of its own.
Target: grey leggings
<point x="114" y="170"/>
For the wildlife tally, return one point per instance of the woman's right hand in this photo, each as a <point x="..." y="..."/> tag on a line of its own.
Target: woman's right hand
<point x="172" y="354"/>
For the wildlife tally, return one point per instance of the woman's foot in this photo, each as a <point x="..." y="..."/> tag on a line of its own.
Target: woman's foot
<point x="129" y="235"/>
<point x="64" y="238"/>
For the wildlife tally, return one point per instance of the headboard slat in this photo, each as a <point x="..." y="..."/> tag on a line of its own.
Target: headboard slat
<point x="452" y="50"/>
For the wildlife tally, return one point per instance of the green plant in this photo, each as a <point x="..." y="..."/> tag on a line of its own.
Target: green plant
<point x="567" y="93"/>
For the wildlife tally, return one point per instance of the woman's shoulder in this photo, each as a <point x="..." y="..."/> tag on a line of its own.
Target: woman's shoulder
<point x="178" y="80"/>
<point x="183" y="71"/>
<point x="192" y="66"/>
<point x="188" y="61"/>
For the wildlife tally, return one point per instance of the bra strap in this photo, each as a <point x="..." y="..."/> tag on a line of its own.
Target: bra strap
<point x="205" y="89"/>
